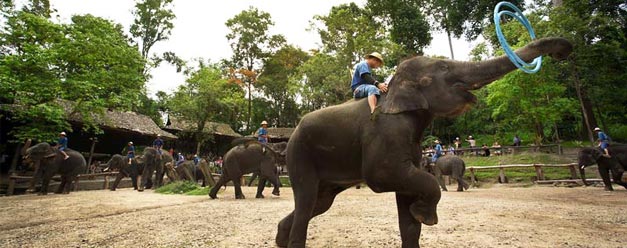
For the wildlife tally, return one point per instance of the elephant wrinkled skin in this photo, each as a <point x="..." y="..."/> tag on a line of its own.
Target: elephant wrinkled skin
<point x="52" y="162"/>
<point x="340" y="146"/>
<point x="616" y="164"/>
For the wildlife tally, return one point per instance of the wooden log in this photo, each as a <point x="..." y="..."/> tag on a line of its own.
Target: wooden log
<point x="105" y="185"/>
<point x="502" y="175"/>
<point x="539" y="172"/>
<point x="11" y="187"/>
<point x="473" y="178"/>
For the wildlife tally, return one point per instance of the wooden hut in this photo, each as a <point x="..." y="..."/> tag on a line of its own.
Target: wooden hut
<point x="279" y="134"/>
<point x="222" y="135"/>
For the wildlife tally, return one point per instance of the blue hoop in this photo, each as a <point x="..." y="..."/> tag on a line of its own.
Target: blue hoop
<point x="535" y="65"/>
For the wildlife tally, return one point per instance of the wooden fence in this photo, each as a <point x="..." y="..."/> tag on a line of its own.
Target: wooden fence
<point x="537" y="167"/>
<point x="14" y="178"/>
<point x="552" y="148"/>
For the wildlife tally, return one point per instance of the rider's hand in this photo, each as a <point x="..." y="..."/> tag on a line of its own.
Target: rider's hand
<point x="383" y="87"/>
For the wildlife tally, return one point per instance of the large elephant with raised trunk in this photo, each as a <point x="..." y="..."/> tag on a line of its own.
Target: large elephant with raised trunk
<point x="50" y="162"/>
<point x="341" y="146"/>
<point x="616" y="164"/>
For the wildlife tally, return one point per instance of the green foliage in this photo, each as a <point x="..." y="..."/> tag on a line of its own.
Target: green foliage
<point x="88" y="62"/>
<point x="183" y="187"/>
<point x="325" y="82"/>
<point x="279" y="86"/>
<point x="153" y="23"/>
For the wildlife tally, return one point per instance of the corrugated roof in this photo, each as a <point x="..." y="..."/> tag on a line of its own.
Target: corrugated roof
<point x="211" y="127"/>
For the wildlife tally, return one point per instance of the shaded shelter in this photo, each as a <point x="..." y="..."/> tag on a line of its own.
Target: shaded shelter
<point x="221" y="136"/>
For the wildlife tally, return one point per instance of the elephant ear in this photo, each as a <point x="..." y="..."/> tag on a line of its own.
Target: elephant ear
<point x="405" y="95"/>
<point x="596" y="154"/>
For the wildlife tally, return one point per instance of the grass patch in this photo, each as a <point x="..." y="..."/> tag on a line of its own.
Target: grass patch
<point x="184" y="188"/>
<point x="519" y="174"/>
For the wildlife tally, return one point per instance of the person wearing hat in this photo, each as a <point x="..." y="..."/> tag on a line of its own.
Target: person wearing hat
<point x="603" y="141"/>
<point x="262" y="133"/>
<point x="196" y="159"/>
<point x="437" y="151"/>
<point x="363" y="84"/>
<point x="180" y="160"/>
<point x="472" y="144"/>
<point x="158" y="144"/>
<point x="62" y="145"/>
<point x="130" y="151"/>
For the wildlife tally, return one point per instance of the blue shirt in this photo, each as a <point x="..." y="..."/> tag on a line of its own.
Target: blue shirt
<point x="131" y="150"/>
<point x="602" y="136"/>
<point x="261" y="135"/>
<point x="438" y="149"/>
<point x="196" y="160"/>
<point x="158" y="142"/>
<point x="63" y="142"/>
<point x="360" y="69"/>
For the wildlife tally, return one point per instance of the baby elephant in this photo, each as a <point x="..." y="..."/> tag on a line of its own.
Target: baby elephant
<point x="450" y="165"/>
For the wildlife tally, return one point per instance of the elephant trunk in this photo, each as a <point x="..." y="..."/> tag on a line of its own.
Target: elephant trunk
<point x="26" y="146"/>
<point x="479" y="74"/>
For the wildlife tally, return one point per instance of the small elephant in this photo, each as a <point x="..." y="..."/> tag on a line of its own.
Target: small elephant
<point x="449" y="165"/>
<point x="617" y="164"/>
<point x="120" y="163"/>
<point x="190" y="171"/>
<point x="153" y="162"/>
<point x="52" y="162"/>
<point x="249" y="157"/>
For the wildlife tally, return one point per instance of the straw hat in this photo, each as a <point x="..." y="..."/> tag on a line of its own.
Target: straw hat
<point x="437" y="141"/>
<point x="62" y="133"/>
<point x="264" y="123"/>
<point x="375" y="55"/>
<point x="130" y="142"/>
<point x="597" y="129"/>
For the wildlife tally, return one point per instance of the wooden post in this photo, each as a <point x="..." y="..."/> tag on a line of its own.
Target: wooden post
<point x="502" y="175"/>
<point x="94" y="140"/>
<point x="573" y="172"/>
<point x="11" y="187"/>
<point x="473" y="179"/>
<point x="539" y="173"/>
<point x="105" y="185"/>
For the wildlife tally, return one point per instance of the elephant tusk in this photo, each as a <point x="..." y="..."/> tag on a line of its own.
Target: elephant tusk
<point x="583" y="166"/>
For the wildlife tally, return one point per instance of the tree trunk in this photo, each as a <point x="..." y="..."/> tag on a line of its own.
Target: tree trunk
<point x="539" y="128"/>
<point x="250" y="106"/>
<point x="586" y="111"/>
<point x="450" y="44"/>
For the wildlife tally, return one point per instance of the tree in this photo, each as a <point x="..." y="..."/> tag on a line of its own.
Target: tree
<point x="248" y="37"/>
<point x="152" y="24"/>
<point x="206" y="96"/>
<point x="324" y="82"/>
<point x="277" y="84"/>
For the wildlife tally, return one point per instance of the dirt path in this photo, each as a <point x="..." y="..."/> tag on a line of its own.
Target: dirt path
<point x="495" y="217"/>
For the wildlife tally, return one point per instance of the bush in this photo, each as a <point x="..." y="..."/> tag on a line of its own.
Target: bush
<point x="180" y="187"/>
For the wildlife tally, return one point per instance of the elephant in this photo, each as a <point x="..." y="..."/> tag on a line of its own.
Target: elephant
<point x="450" y="165"/>
<point x="617" y="164"/>
<point x="120" y="163"/>
<point x="251" y="156"/>
<point x="152" y="163"/>
<point x="340" y="146"/>
<point x="190" y="171"/>
<point x="280" y="148"/>
<point x="51" y="162"/>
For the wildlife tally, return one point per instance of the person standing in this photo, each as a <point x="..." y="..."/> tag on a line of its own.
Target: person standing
<point x="603" y="141"/>
<point x="130" y="151"/>
<point x="196" y="159"/>
<point x="517" y="140"/>
<point x="473" y="144"/>
<point x="363" y="84"/>
<point x="180" y="160"/>
<point x="458" y="145"/>
<point x="262" y="133"/>
<point x="62" y="145"/>
<point x="437" y="151"/>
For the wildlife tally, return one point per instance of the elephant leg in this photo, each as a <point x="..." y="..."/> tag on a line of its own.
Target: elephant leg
<point x="260" y="186"/>
<point x="214" y="190"/>
<point x="324" y="200"/>
<point x="582" y="172"/>
<point x="44" y="184"/>
<point x="276" y="183"/>
<point x="133" y="180"/>
<point x="252" y="179"/>
<point x="617" y="175"/>
<point x="237" y="184"/>
<point x="409" y="227"/>
<point x="441" y="182"/>
<point x="605" y="174"/>
<point x="61" y="185"/>
<point x="68" y="184"/>
<point x="146" y="180"/>
<point x="118" y="178"/>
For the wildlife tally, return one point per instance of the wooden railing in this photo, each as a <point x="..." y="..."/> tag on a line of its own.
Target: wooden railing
<point x="537" y="167"/>
<point x="14" y="177"/>
<point x="503" y="149"/>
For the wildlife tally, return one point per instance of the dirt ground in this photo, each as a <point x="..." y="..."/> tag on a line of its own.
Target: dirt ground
<point x="494" y="217"/>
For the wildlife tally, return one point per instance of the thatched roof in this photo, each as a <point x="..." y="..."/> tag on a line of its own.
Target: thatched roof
<point x="280" y="132"/>
<point x="223" y="129"/>
<point x="129" y="121"/>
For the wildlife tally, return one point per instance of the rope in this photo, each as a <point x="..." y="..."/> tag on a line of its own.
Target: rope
<point x="535" y="65"/>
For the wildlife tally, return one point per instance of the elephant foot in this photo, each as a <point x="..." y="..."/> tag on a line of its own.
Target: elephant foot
<point x="460" y="190"/>
<point x="42" y="193"/>
<point x="240" y="197"/>
<point x="112" y="189"/>
<point x="609" y="189"/>
<point x="140" y="190"/>
<point x="444" y="189"/>
<point x="276" y="193"/>
<point x="213" y="196"/>
<point x="259" y="196"/>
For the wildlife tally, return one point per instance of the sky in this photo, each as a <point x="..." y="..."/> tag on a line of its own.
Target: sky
<point x="199" y="29"/>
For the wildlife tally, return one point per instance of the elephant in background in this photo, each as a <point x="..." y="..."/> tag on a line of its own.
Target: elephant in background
<point x="152" y="163"/>
<point x="251" y="156"/>
<point x="280" y="148"/>
<point x="50" y="162"/>
<point x="449" y="165"/>
<point x="617" y="164"/>
<point x="340" y="146"/>
<point x="120" y="163"/>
